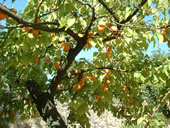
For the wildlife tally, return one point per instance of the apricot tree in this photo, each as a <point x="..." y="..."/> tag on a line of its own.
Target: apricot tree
<point x="38" y="65"/>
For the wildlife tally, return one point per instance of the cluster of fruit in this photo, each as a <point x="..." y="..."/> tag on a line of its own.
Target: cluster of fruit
<point x="80" y="84"/>
<point x="5" y="16"/>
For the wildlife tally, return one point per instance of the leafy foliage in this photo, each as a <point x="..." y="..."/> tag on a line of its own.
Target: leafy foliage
<point x="41" y="45"/>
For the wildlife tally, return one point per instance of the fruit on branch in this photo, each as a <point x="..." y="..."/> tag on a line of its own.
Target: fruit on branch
<point x="98" y="98"/>
<point x="163" y="32"/>
<point x="108" y="54"/>
<point x="47" y="60"/>
<point x="101" y="85"/>
<point x="125" y="88"/>
<point x="61" y="39"/>
<point x="90" y="33"/>
<point x="34" y="32"/>
<point x="109" y="48"/>
<point x="108" y="81"/>
<point x="53" y="34"/>
<point x="113" y="29"/>
<point x="57" y="64"/>
<point x="101" y="24"/>
<point x="3" y="15"/>
<point x="27" y="29"/>
<point x="100" y="29"/>
<point x="66" y="47"/>
<point x="37" y="21"/>
<point x="89" y="42"/>
<point x="59" y="86"/>
<point x="11" y="114"/>
<point x="35" y="60"/>
<point x="91" y="77"/>
<point x="13" y="10"/>
<point x="106" y="89"/>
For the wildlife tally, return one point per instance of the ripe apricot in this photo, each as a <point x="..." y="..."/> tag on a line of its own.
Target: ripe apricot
<point x="108" y="54"/>
<point x="27" y="29"/>
<point x="126" y="89"/>
<point x="113" y="29"/>
<point x="61" y="39"/>
<point x="106" y="89"/>
<point x="90" y="33"/>
<point x="89" y="42"/>
<point x="106" y="76"/>
<point x="4" y="6"/>
<point x="108" y="81"/>
<point x="34" y="32"/>
<point x="66" y="47"/>
<point x="53" y="35"/>
<point x="35" y="60"/>
<point x="108" y="25"/>
<point x="59" y="86"/>
<point x="40" y="36"/>
<point x="47" y="60"/>
<point x="100" y="29"/>
<point x="79" y="87"/>
<point x="57" y="64"/>
<point x="107" y="71"/>
<point x="37" y="21"/>
<point x="98" y="98"/>
<point x="13" y="10"/>
<point x="101" y="24"/>
<point x="109" y="48"/>
<point x="101" y="85"/>
<point x="91" y="77"/>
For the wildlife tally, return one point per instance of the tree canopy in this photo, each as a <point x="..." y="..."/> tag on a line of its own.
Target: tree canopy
<point x="38" y="65"/>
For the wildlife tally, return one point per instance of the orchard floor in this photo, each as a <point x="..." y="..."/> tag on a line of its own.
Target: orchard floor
<point x="104" y="121"/>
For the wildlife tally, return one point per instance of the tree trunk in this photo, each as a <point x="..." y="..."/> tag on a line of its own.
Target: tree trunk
<point x="45" y="106"/>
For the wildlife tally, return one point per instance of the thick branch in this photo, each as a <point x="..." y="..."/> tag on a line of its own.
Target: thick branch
<point x="109" y="10"/>
<point x="158" y="107"/>
<point x="38" y="26"/>
<point x="134" y="12"/>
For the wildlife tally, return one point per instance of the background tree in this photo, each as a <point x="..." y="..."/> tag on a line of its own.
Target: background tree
<point x="42" y="43"/>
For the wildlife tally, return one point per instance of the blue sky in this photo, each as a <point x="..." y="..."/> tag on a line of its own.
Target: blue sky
<point x="20" y="4"/>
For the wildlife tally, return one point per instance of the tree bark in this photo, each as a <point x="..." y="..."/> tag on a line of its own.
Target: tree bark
<point x="45" y="105"/>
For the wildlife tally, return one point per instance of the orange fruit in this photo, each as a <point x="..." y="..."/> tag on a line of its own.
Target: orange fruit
<point x="113" y="29"/>
<point x="37" y="21"/>
<point x="100" y="29"/>
<point x="109" y="48"/>
<point x="53" y="35"/>
<point x="61" y="39"/>
<point x="98" y="98"/>
<point x="108" y="54"/>
<point x="126" y="89"/>
<point x="106" y="89"/>
<point x="89" y="42"/>
<point x="59" y="86"/>
<point x="79" y="87"/>
<point x="27" y="29"/>
<point x="101" y="24"/>
<point x="107" y="81"/>
<point x="106" y="76"/>
<point x="66" y="47"/>
<point x="108" y="25"/>
<point x="90" y="33"/>
<point x="47" y="60"/>
<point x="13" y="10"/>
<point x="107" y="71"/>
<point x="57" y="64"/>
<point x="4" y="6"/>
<point x="91" y="77"/>
<point x="35" y="60"/>
<point x="34" y="32"/>
<point x="102" y="86"/>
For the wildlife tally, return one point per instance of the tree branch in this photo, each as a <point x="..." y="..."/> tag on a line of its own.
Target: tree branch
<point x="134" y="12"/>
<point x="109" y="10"/>
<point x="38" y="26"/>
<point x="158" y="107"/>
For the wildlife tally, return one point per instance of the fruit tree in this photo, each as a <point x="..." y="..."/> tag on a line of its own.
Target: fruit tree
<point x="38" y="65"/>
